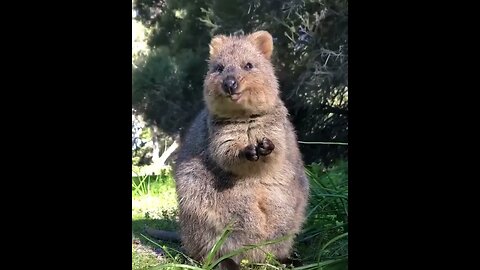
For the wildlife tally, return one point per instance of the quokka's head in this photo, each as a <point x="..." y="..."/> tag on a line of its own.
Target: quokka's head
<point x="240" y="80"/>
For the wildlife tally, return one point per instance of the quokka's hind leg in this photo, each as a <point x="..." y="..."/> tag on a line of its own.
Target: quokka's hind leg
<point x="229" y="264"/>
<point x="294" y="260"/>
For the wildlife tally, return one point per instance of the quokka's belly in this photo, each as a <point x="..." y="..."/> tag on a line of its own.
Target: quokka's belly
<point x="261" y="210"/>
<point x="256" y="216"/>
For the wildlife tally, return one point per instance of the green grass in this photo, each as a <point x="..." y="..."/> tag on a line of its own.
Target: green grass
<point x="143" y="258"/>
<point x="324" y="239"/>
<point x="323" y="244"/>
<point x="154" y="204"/>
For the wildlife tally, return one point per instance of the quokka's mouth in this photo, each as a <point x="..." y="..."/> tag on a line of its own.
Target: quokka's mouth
<point x="235" y="97"/>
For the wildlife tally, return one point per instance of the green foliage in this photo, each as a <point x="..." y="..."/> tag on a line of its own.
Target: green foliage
<point x="167" y="87"/>
<point x="142" y="155"/>
<point x="163" y="88"/>
<point x="316" y="83"/>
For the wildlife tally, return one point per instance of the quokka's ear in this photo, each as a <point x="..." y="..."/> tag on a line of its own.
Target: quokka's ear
<point x="263" y="41"/>
<point x="216" y="43"/>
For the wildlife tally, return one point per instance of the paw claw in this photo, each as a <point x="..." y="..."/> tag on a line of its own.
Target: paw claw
<point x="251" y="153"/>
<point x="265" y="147"/>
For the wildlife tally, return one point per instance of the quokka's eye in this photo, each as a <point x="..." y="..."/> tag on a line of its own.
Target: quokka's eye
<point x="219" y="68"/>
<point x="248" y="66"/>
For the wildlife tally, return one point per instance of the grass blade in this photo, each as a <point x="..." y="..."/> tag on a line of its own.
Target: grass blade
<point x="333" y="240"/>
<point x="178" y="265"/>
<point x="320" y="264"/>
<point x="217" y="246"/>
<point x="158" y="245"/>
<point x="246" y="248"/>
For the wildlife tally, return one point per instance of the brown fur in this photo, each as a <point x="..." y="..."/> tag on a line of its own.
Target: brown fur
<point x="216" y="183"/>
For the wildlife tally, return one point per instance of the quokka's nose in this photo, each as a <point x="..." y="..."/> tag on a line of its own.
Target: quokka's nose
<point x="230" y="85"/>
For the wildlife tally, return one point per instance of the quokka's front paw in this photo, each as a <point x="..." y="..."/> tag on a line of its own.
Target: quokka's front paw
<point x="265" y="147"/>
<point x="251" y="152"/>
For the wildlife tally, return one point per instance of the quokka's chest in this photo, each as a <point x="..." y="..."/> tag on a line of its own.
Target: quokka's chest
<point x="251" y="132"/>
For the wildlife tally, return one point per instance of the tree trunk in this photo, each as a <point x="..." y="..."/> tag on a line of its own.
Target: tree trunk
<point x="155" y="145"/>
<point x="158" y="162"/>
<point x="168" y="152"/>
